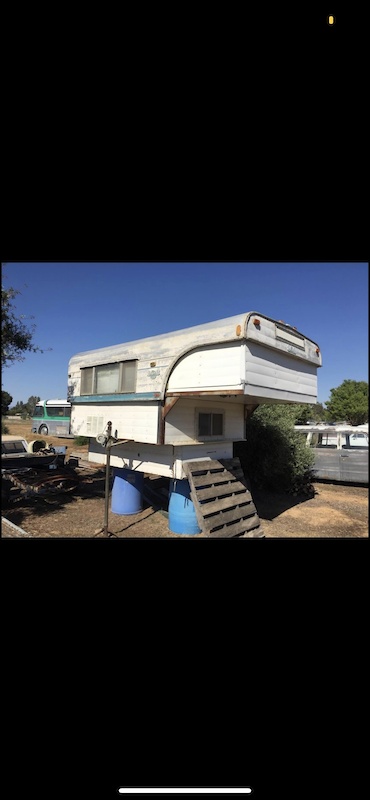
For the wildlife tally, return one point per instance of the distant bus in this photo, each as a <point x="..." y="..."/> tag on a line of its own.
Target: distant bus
<point x="52" y="417"/>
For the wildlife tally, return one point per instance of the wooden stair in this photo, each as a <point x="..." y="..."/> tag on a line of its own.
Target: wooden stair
<point x="223" y="503"/>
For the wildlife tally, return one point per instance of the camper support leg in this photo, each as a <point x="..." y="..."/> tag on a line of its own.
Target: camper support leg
<point x="107" y="471"/>
<point x="104" y="529"/>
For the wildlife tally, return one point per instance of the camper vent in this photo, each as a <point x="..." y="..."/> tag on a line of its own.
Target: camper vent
<point x="94" y="425"/>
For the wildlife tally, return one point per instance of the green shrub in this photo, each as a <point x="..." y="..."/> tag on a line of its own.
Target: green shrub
<point x="79" y="440"/>
<point x="4" y="428"/>
<point x="274" y="455"/>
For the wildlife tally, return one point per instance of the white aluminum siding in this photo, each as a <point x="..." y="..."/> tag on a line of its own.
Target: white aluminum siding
<point x="129" y="420"/>
<point x="181" y="421"/>
<point x="275" y="374"/>
<point x="208" y="369"/>
<point x="152" y="459"/>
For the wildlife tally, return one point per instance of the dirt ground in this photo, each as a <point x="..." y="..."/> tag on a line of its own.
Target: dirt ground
<point x="334" y="510"/>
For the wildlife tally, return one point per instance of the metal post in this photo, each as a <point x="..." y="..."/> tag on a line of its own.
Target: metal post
<point x="107" y="470"/>
<point x="108" y="441"/>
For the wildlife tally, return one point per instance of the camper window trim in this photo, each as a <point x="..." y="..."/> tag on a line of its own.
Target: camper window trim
<point x="125" y="384"/>
<point x="212" y="412"/>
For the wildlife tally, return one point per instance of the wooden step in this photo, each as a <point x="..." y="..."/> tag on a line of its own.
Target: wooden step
<point x="223" y="504"/>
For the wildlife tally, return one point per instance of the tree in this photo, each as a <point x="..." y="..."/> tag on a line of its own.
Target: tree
<point x="25" y="409"/>
<point x="18" y="408"/>
<point x="274" y="455"/>
<point x="349" y="402"/>
<point x="303" y="413"/>
<point x="16" y="339"/>
<point x="31" y="404"/>
<point x="315" y="412"/>
<point x="319" y="413"/>
<point x="6" y="399"/>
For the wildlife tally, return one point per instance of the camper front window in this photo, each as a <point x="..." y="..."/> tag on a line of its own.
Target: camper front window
<point x="109" y="378"/>
<point x="210" y="424"/>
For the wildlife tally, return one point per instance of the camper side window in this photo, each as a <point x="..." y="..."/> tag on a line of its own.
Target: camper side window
<point x="210" y="424"/>
<point x="109" y="378"/>
<point x="87" y="380"/>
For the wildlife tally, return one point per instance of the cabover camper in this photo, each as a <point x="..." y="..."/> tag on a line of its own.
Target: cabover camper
<point x="185" y="395"/>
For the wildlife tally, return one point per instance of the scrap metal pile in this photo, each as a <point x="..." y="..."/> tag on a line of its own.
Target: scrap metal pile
<point x="42" y="481"/>
<point x="36" y="471"/>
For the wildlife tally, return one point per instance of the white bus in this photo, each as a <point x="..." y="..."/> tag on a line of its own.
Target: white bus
<point x="52" y="417"/>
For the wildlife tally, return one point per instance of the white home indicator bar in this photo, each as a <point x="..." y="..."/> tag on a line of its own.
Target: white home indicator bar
<point x="189" y="790"/>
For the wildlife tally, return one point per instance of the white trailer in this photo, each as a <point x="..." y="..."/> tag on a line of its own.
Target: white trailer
<point x="185" y="395"/>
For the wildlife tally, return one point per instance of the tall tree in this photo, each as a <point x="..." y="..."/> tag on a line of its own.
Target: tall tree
<point x="349" y="402"/>
<point x="6" y="399"/>
<point x="16" y="338"/>
<point x="18" y="408"/>
<point x="303" y="414"/>
<point x="319" y="413"/>
<point x="30" y="405"/>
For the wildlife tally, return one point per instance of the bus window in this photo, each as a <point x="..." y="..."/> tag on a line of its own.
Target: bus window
<point x="58" y="411"/>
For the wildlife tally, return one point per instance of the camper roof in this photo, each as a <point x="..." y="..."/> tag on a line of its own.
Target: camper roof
<point x="217" y="331"/>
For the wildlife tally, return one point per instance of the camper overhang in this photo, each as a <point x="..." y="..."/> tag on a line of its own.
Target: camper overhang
<point x="243" y="360"/>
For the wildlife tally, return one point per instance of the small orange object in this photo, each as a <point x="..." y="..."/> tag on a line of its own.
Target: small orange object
<point x="238" y="330"/>
<point x="256" y="322"/>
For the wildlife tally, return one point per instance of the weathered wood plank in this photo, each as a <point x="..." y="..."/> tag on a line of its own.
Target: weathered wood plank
<point x="221" y="490"/>
<point x="213" y="478"/>
<point x="233" y="515"/>
<point x="234" y="530"/>
<point x="199" y="466"/>
<point x="231" y="464"/>
<point x="169" y="405"/>
<point x="217" y="505"/>
<point x="230" y="511"/>
<point x="258" y="533"/>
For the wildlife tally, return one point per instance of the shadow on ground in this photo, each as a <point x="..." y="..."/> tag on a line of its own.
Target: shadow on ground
<point x="270" y="505"/>
<point x="90" y="485"/>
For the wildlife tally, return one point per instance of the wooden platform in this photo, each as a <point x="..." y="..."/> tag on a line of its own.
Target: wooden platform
<point x="223" y="503"/>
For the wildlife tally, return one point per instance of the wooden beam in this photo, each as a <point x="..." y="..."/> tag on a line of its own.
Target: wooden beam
<point x="169" y="404"/>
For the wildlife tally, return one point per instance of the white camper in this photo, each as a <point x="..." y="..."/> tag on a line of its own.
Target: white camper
<point x="185" y="395"/>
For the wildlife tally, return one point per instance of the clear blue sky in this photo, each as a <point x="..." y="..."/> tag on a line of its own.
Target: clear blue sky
<point x="82" y="306"/>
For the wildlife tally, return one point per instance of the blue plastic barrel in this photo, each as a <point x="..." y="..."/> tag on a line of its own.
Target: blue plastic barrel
<point x="181" y="511"/>
<point x="127" y="492"/>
